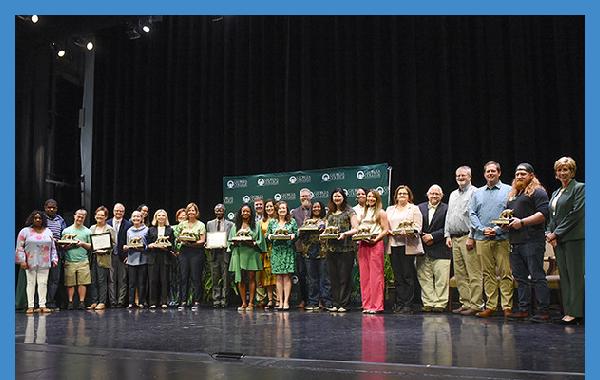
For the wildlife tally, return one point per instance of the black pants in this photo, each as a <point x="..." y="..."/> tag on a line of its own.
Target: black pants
<point x="117" y="282"/>
<point x="302" y="280"/>
<point x="56" y="288"/>
<point x="403" y="267"/>
<point x="191" y="266"/>
<point x="340" y="275"/>
<point x="158" y="275"/>
<point x="98" y="289"/>
<point x="138" y="276"/>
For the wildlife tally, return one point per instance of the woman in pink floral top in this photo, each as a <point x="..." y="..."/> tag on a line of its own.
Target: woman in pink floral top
<point x="36" y="253"/>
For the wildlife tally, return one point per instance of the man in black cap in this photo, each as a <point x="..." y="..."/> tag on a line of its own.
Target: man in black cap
<point x="529" y="202"/>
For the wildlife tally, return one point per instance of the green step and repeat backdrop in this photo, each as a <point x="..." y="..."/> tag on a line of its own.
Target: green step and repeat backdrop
<point x="286" y="185"/>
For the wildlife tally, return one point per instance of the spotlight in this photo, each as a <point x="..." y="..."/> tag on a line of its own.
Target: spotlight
<point x="61" y="53"/>
<point x="145" y="24"/>
<point x="146" y="28"/>
<point x="35" y="19"/>
<point x="58" y="49"/>
<point x="90" y="46"/>
<point x="83" y="42"/>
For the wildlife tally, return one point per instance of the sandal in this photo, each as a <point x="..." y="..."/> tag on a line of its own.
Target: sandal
<point x="45" y="310"/>
<point x="250" y="307"/>
<point x="29" y="310"/>
<point x="241" y="308"/>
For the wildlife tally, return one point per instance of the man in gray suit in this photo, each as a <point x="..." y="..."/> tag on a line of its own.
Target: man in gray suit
<point x="219" y="258"/>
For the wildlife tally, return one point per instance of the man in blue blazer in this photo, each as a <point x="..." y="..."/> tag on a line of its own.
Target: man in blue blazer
<point x="433" y="268"/>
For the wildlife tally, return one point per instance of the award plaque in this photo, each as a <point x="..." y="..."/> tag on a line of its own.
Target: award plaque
<point x="101" y="243"/>
<point x="309" y="225"/>
<point x="162" y="242"/>
<point x="505" y="218"/>
<point x="68" y="239"/>
<point x="187" y="237"/>
<point x="243" y="235"/>
<point x="135" y="242"/>
<point x="405" y="227"/>
<point x="331" y="232"/>
<point x="216" y="240"/>
<point x="364" y="233"/>
<point x="281" y="234"/>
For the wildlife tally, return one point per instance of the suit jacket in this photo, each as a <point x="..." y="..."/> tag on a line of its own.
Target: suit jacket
<point x="299" y="215"/>
<point x="121" y="236"/>
<point x="435" y="227"/>
<point x="152" y="237"/>
<point x="568" y="221"/>
<point x="211" y="226"/>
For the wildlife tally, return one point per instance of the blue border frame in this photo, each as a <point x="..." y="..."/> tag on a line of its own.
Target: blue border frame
<point x="307" y="7"/>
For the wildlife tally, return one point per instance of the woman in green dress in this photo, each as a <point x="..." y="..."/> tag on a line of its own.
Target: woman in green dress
<point x="283" y="255"/>
<point x="266" y="278"/>
<point x="246" y="242"/>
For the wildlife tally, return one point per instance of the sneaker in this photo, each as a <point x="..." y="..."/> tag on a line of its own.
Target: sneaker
<point x="342" y="310"/>
<point x="141" y="306"/>
<point x="70" y="306"/>
<point x="152" y="306"/>
<point x="366" y="311"/>
<point x="164" y="306"/>
<point x="81" y="307"/>
<point x="332" y="309"/>
<point x="130" y="306"/>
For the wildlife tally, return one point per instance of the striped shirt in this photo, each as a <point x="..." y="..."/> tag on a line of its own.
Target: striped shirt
<point x="56" y="225"/>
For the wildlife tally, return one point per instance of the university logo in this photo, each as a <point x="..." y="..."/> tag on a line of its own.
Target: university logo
<point x="360" y="174"/>
<point x="230" y="216"/>
<point x="345" y="191"/>
<point x="300" y="179"/>
<point x="293" y="179"/>
<point x="335" y="176"/>
<point x="230" y="184"/>
<point x="228" y="200"/>
<point x="380" y="190"/>
<point x="237" y="183"/>
<point x="246" y="198"/>
<point x="321" y="194"/>
<point x="268" y="181"/>
<point x="261" y="182"/>
<point x="369" y="174"/>
<point x="325" y="177"/>
<point x="277" y="197"/>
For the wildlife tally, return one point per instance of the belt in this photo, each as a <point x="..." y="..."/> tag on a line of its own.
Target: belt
<point x="460" y="234"/>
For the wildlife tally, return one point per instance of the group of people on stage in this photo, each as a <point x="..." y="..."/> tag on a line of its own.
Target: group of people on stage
<point x="150" y="263"/>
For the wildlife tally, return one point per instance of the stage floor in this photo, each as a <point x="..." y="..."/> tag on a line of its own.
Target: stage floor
<point x="136" y="344"/>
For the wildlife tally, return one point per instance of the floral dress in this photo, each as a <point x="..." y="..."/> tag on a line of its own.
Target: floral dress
<point x="283" y="256"/>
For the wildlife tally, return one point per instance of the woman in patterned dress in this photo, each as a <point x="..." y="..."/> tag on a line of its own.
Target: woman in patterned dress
<point x="266" y="278"/>
<point x="283" y="256"/>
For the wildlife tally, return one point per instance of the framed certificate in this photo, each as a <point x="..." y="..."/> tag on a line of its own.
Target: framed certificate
<point x="216" y="240"/>
<point x="101" y="242"/>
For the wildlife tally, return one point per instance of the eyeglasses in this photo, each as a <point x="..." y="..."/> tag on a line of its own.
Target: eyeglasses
<point x="402" y="193"/>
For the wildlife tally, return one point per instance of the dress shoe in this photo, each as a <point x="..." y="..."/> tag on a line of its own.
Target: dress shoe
<point x="426" y="309"/>
<point x="469" y="312"/>
<point x="507" y="313"/>
<point x="519" y="315"/>
<point x="486" y="313"/>
<point x="541" y="317"/>
<point x="460" y="310"/>
<point x="439" y="309"/>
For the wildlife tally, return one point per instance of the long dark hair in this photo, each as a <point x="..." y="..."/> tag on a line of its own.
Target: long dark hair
<point x="322" y="213"/>
<point x="29" y="221"/>
<point x="238" y="218"/>
<point x="332" y="207"/>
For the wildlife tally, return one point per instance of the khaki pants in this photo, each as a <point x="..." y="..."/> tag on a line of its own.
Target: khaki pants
<point x="468" y="274"/>
<point x="495" y="263"/>
<point x="434" y="278"/>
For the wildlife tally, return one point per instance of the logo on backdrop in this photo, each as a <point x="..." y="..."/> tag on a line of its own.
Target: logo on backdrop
<point x="227" y="200"/>
<point x="237" y="183"/>
<point x="380" y="190"/>
<point x="369" y="174"/>
<point x="268" y="181"/>
<point x="300" y="179"/>
<point x="321" y="194"/>
<point x="285" y="197"/>
<point x="230" y="216"/>
<point x="334" y="176"/>
<point x="346" y="191"/>
<point x="246" y="198"/>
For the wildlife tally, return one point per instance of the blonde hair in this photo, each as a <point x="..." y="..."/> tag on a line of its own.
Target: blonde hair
<point x="154" y="219"/>
<point x="568" y="162"/>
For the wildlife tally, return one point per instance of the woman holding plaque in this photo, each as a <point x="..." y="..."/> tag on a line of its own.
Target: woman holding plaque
<point x="405" y="221"/>
<point x="136" y="259"/>
<point x="370" y="254"/>
<point x="319" y="288"/>
<point x="174" y="277"/>
<point x="283" y="257"/>
<point x="191" y="235"/>
<point x="246" y="242"/>
<point x="101" y="259"/>
<point x="341" y="250"/>
<point x="565" y="231"/>
<point x="266" y="278"/>
<point x="36" y="253"/>
<point x="160" y="243"/>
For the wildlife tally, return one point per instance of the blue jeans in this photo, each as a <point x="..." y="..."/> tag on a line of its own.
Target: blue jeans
<point x="527" y="260"/>
<point x="318" y="282"/>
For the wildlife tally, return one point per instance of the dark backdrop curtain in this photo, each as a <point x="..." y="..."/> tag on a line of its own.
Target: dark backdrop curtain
<point x="199" y="99"/>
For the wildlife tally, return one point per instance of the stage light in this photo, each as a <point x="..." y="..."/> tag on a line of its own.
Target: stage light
<point x="146" y="28"/>
<point x="61" y="53"/>
<point x="90" y="45"/>
<point x="58" y="49"/>
<point x="83" y="42"/>
<point x="34" y="19"/>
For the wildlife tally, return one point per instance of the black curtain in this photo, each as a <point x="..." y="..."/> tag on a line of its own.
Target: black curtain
<point x="203" y="97"/>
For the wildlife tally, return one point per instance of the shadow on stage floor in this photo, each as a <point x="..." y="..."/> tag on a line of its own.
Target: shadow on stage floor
<point x="139" y="344"/>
